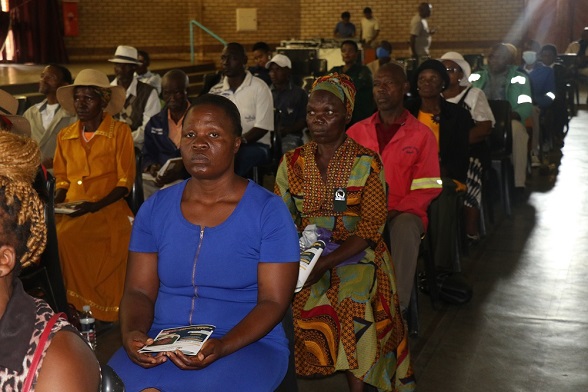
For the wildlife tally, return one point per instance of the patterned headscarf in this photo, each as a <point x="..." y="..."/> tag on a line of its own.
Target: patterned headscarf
<point x="341" y="86"/>
<point x="103" y="93"/>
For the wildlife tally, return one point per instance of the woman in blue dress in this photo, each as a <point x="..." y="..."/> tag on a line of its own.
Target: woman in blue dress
<point x="215" y="249"/>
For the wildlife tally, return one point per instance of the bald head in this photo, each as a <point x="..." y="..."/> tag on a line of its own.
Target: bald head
<point x="393" y="70"/>
<point x="390" y="86"/>
<point x="179" y="76"/>
<point x="174" y="90"/>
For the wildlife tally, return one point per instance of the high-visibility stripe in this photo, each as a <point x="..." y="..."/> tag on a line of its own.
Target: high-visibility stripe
<point x="518" y="79"/>
<point x="426" y="183"/>
<point x="523" y="98"/>
<point x="550" y="95"/>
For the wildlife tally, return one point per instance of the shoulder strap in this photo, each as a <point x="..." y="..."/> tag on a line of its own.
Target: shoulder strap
<point x="39" y="350"/>
<point x="462" y="100"/>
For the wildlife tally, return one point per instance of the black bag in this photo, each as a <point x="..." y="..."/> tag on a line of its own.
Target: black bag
<point x="453" y="288"/>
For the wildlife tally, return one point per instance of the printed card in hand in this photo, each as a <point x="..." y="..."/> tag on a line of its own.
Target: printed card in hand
<point x="188" y="339"/>
<point x="168" y="166"/>
<point x="67" y="208"/>
<point x="308" y="259"/>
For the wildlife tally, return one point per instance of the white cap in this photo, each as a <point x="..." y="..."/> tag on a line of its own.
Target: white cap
<point x="281" y="61"/>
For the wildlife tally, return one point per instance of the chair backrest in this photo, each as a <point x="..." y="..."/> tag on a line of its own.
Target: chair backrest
<point x="23" y="104"/>
<point x="135" y="197"/>
<point x="276" y="139"/>
<point x="567" y="60"/>
<point x="209" y="80"/>
<point x="50" y="256"/>
<point x="475" y="60"/>
<point x="109" y="380"/>
<point x="500" y="139"/>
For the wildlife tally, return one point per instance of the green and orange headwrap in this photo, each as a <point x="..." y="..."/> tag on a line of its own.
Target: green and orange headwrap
<point x="339" y="85"/>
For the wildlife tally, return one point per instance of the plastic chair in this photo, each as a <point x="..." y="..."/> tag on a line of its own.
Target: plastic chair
<point x="23" y="104"/>
<point x="475" y="60"/>
<point x="501" y="148"/>
<point x="45" y="280"/>
<point x="275" y="153"/>
<point x="110" y="381"/>
<point x="135" y="197"/>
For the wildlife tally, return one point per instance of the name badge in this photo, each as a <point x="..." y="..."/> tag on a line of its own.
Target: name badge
<point x="340" y="200"/>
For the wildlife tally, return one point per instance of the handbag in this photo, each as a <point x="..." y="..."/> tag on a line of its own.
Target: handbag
<point x="39" y="350"/>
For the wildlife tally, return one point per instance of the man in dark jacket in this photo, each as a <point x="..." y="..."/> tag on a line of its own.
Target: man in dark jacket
<point x="163" y="134"/>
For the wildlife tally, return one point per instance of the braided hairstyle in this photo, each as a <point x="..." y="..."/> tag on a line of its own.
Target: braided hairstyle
<point x="22" y="219"/>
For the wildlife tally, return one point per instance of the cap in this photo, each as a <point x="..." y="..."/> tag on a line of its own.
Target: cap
<point x="281" y="61"/>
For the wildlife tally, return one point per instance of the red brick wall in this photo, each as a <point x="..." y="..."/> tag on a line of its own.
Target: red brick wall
<point x="161" y="26"/>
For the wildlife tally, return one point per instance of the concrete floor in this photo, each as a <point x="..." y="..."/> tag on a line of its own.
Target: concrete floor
<point x="526" y="328"/>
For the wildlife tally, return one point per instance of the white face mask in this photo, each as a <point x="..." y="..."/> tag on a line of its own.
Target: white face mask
<point x="529" y="57"/>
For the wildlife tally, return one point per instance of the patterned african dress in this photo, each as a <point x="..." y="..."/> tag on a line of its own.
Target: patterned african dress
<point x="350" y="318"/>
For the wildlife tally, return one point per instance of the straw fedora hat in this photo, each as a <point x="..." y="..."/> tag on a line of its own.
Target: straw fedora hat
<point x="8" y="104"/>
<point x="92" y="77"/>
<point x="125" y="55"/>
<point x="9" y="121"/>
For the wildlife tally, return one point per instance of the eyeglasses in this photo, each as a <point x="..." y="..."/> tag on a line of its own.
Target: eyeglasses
<point x="452" y="70"/>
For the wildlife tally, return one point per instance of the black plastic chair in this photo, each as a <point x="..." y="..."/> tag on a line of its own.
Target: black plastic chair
<point x="275" y="153"/>
<point x="135" y="197"/>
<point x="45" y="280"/>
<point x="23" y="104"/>
<point x="500" y="141"/>
<point x="110" y="381"/>
<point x="475" y="60"/>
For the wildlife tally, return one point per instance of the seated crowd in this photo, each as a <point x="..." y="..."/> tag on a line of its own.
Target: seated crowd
<point x="361" y="160"/>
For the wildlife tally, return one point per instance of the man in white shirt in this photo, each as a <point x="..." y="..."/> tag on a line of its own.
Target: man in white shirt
<point x="47" y="118"/>
<point x="142" y="101"/>
<point x="420" y="34"/>
<point x="370" y="28"/>
<point x="144" y="74"/>
<point x="254" y="100"/>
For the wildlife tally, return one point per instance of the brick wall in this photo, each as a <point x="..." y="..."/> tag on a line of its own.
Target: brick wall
<point x="467" y="26"/>
<point x="161" y="26"/>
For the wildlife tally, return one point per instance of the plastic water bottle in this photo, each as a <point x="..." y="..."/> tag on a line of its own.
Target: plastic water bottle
<point x="88" y="324"/>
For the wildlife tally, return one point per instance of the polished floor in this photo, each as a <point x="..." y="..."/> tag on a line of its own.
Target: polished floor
<point x="526" y="328"/>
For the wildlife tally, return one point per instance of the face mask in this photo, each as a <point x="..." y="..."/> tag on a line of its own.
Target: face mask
<point x="381" y="53"/>
<point x="529" y="57"/>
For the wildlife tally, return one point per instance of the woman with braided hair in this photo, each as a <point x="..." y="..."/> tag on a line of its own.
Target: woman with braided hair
<point x="66" y="362"/>
<point x="94" y="166"/>
<point x="347" y="316"/>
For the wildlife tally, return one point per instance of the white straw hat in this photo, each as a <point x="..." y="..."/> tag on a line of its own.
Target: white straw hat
<point x="125" y="55"/>
<point x="463" y="64"/>
<point x="92" y="77"/>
